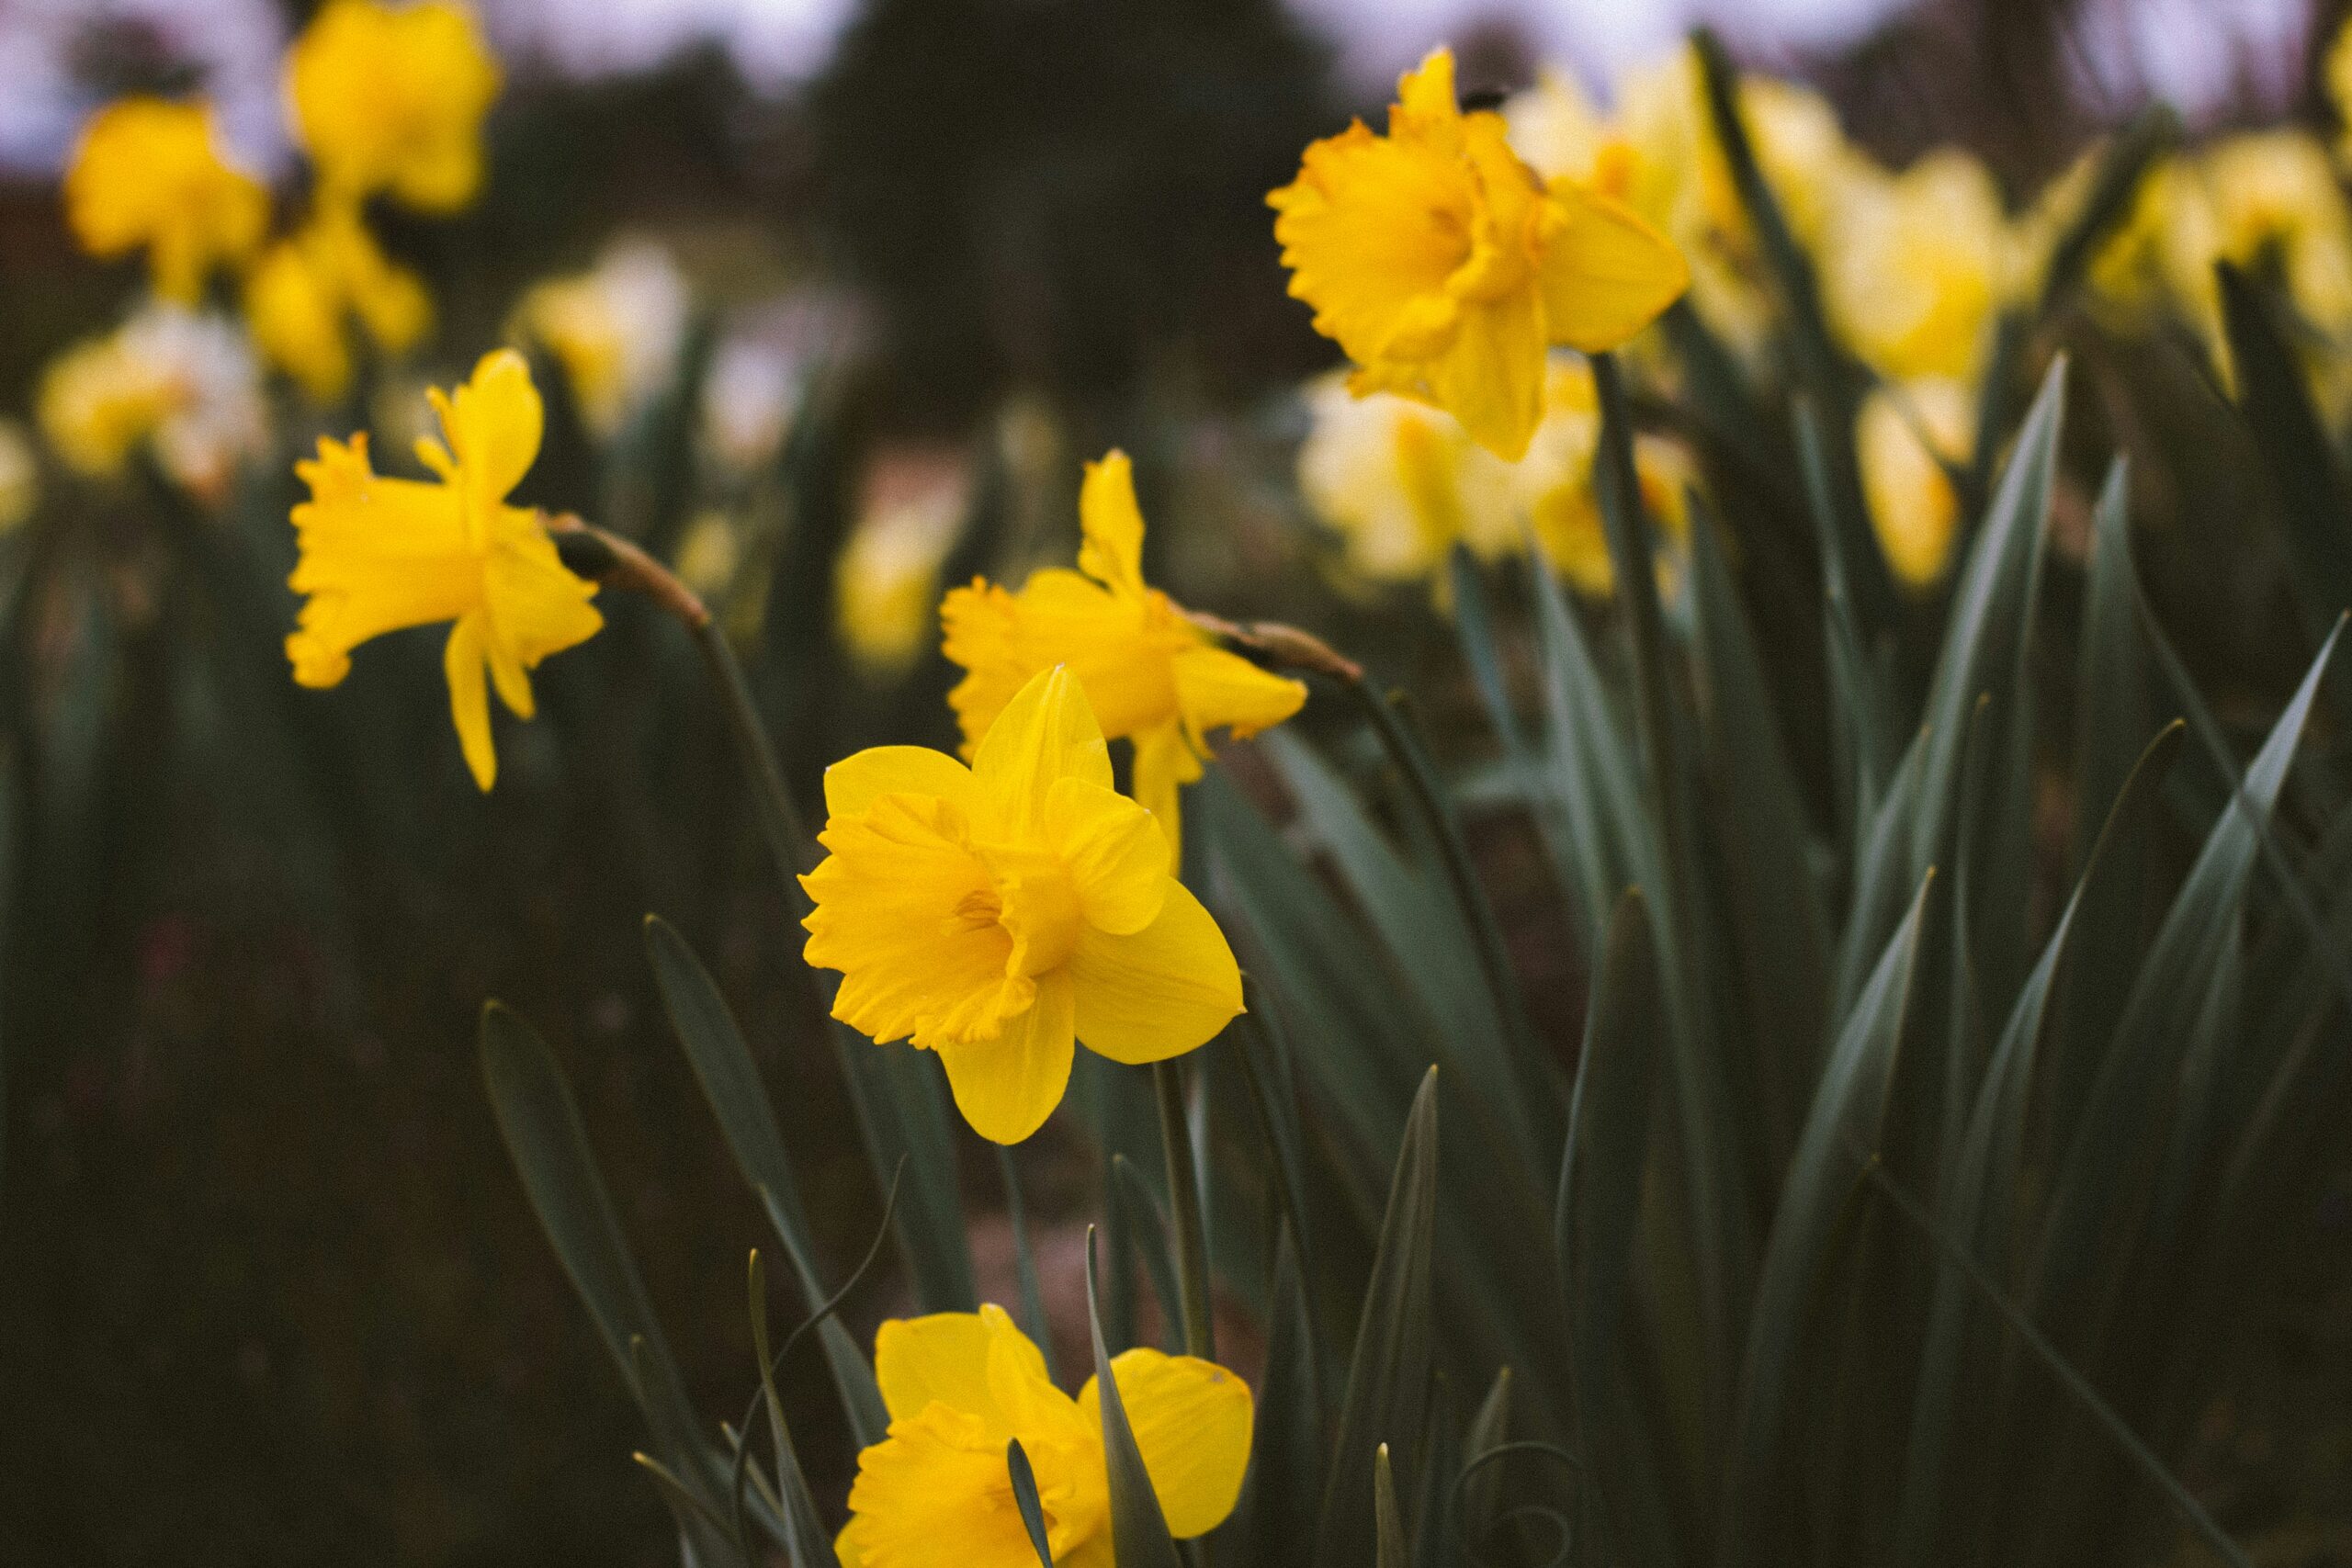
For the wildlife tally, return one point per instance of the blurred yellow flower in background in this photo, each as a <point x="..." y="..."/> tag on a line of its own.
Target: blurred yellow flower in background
<point x="149" y="173"/>
<point x="1445" y="267"/>
<point x="19" y="477"/>
<point x="1151" y="675"/>
<point x="616" y="329"/>
<point x="390" y="99"/>
<point x="960" y="1387"/>
<point x="378" y="555"/>
<point x="1916" y="267"/>
<point x="2336" y="77"/>
<point x="886" y="580"/>
<point x="176" y="384"/>
<point x="306" y="291"/>
<point x="1903" y="437"/>
<point x="1001" y="913"/>
<point x="708" y="553"/>
<point x="1403" y="483"/>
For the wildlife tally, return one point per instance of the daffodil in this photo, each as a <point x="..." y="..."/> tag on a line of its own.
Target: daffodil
<point x="1404" y="483"/>
<point x="1903" y="438"/>
<point x="150" y="173"/>
<point x="616" y="329"/>
<point x="178" y="386"/>
<point x="390" y="99"/>
<point x="381" y="554"/>
<point x="306" y="291"/>
<point x="1446" y="268"/>
<point x="960" y="1387"/>
<point x="1151" y="675"/>
<point x="885" y="583"/>
<point x="999" y="914"/>
<point x="1916" y="266"/>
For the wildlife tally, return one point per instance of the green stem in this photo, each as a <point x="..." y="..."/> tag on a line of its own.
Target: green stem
<point x="788" y="842"/>
<point x="1184" y="1213"/>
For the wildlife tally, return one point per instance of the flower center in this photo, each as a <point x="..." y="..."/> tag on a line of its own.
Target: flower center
<point x="1033" y="898"/>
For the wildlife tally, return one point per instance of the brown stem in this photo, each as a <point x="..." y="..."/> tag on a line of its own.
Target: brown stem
<point x="1284" y="645"/>
<point x="608" y="559"/>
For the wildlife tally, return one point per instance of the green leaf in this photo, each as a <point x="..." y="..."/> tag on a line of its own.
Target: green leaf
<point x="1594" y="1227"/>
<point x="1770" y="904"/>
<point x="1945" y="1469"/>
<point x="730" y="1081"/>
<point x="542" y="1125"/>
<point x="1140" y="1537"/>
<point x="1273" y="1522"/>
<point x="1389" y="1549"/>
<point x="2307" y="480"/>
<point x="1386" y="1401"/>
<point x="1849" y="1108"/>
<point x="1025" y="1499"/>
<point x="1147" y="1232"/>
<point x="805" y="1544"/>
<point x="1025" y="1261"/>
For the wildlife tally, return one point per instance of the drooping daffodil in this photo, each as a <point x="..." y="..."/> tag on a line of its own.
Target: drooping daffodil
<point x="390" y="99"/>
<point x="961" y="1386"/>
<point x="1152" y="675"/>
<point x="1000" y="914"/>
<point x="150" y="173"/>
<point x="381" y="554"/>
<point x="1447" y="268"/>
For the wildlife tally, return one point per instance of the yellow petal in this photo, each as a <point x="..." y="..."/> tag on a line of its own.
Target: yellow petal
<point x="1491" y="377"/>
<point x="1218" y="690"/>
<point x="1115" y="854"/>
<point x="1113" y="524"/>
<point x="979" y="628"/>
<point x="1191" y="1420"/>
<point x="493" y="422"/>
<point x="1606" y="273"/>
<point x="377" y="555"/>
<point x="462" y="659"/>
<point x="935" y="1490"/>
<point x="945" y="1357"/>
<point x="890" y="901"/>
<point x="1008" y="1086"/>
<point x="854" y="782"/>
<point x="1046" y="733"/>
<point x="1160" y="993"/>
<point x="538" y="605"/>
<point x="1165" y="762"/>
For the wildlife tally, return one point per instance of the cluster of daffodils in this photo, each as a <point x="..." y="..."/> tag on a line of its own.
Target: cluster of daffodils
<point x="386" y="102"/>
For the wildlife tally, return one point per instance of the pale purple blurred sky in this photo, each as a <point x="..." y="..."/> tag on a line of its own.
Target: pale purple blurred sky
<point x="2199" y="53"/>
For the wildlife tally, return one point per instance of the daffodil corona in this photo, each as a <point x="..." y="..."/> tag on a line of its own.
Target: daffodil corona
<point x="1446" y="268"/>
<point x="382" y="554"/>
<point x="1001" y="913"/>
<point x="936" y="1492"/>
<point x="1152" y="676"/>
<point x="149" y="173"/>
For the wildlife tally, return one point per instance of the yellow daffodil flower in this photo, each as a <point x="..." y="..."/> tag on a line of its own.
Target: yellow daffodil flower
<point x="616" y="329"/>
<point x="1000" y="913"/>
<point x="1916" y="266"/>
<point x="1151" y="675"/>
<point x="306" y="288"/>
<point x="150" y="173"/>
<point x="885" y="583"/>
<point x="961" y="1386"/>
<point x="2336" y="75"/>
<point x="178" y="386"/>
<point x="1903" y="437"/>
<point x="382" y="554"/>
<point x="1403" y="483"/>
<point x="390" y="99"/>
<point x="1445" y="267"/>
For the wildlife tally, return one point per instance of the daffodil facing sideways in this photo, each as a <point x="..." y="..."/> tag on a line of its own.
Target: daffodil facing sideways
<point x="1446" y="268"/>
<point x="1152" y="675"/>
<point x="390" y="99"/>
<point x="148" y="172"/>
<point x="379" y="553"/>
<point x="1002" y="913"/>
<point x="961" y="1386"/>
<point x="306" y="291"/>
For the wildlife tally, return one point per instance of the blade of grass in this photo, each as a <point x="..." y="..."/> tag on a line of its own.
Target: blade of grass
<point x="1140" y="1537"/>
